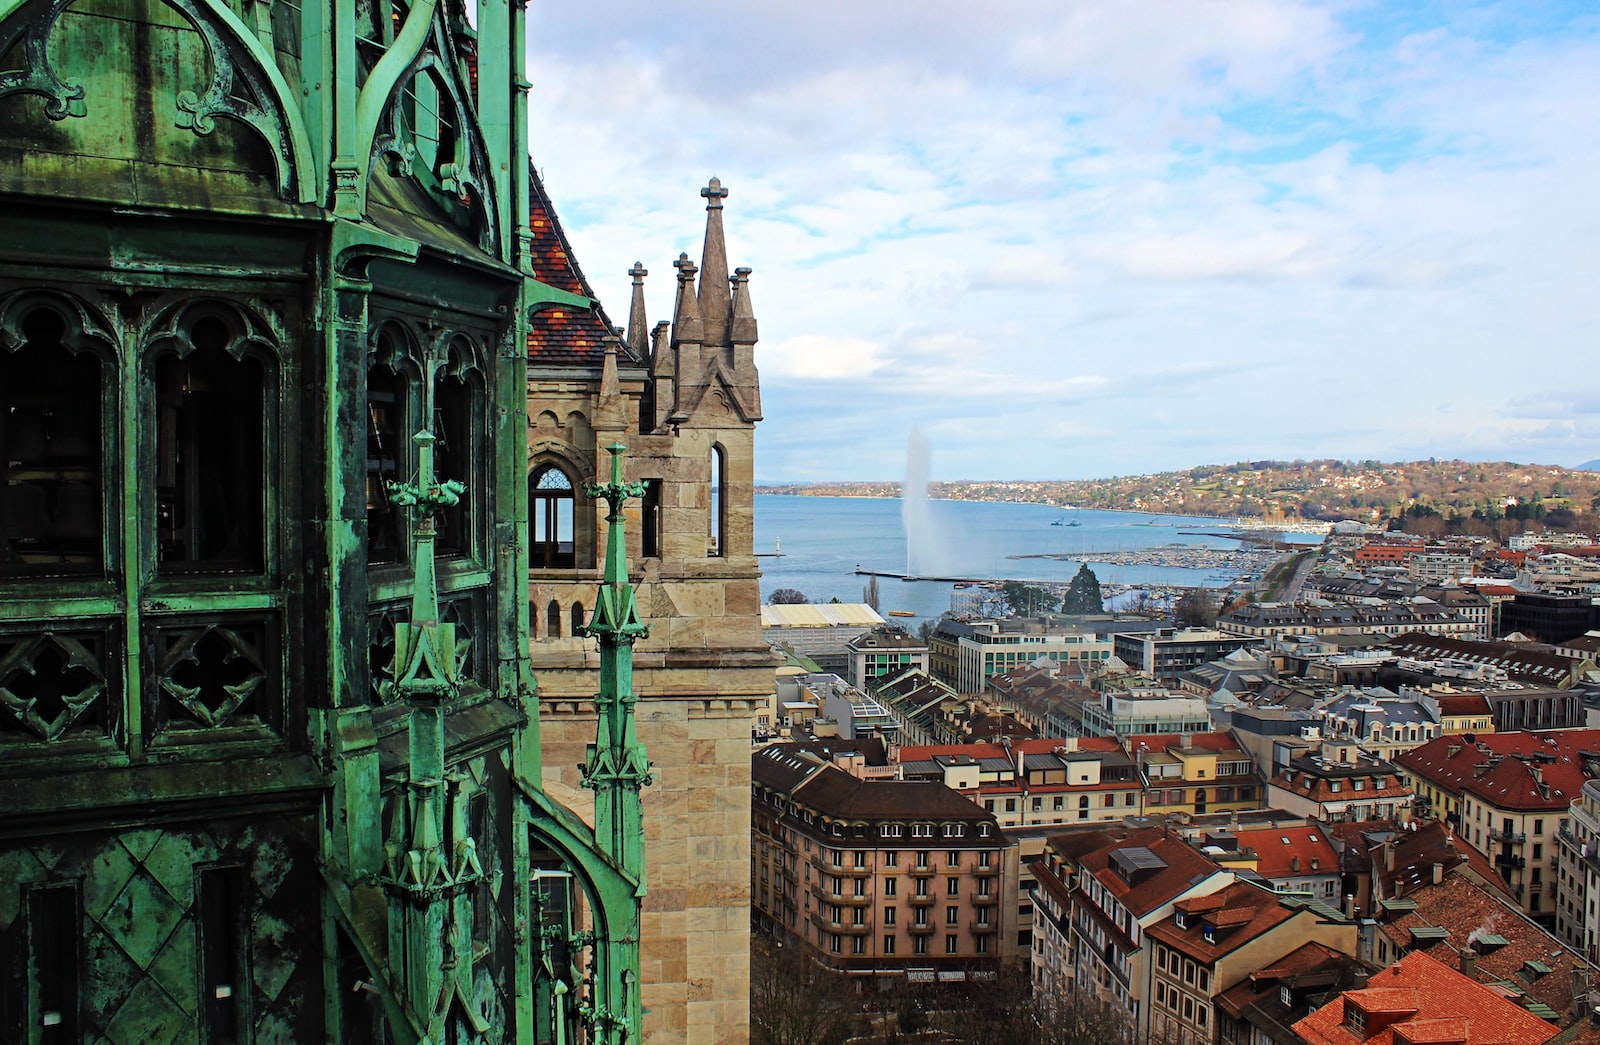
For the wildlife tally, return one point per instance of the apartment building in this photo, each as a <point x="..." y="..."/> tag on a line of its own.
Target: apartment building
<point x="884" y="652"/>
<point x="1259" y="1009"/>
<point x="1578" y="874"/>
<point x="881" y="880"/>
<point x="1212" y="942"/>
<point x="1195" y="773"/>
<point x="1168" y="653"/>
<point x="1380" y="722"/>
<point x="918" y="702"/>
<point x="1261" y="620"/>
<point x="1139" y="711"/>
<point x="1509" y="796"/>
<point x="1027" y="783"/>
<point x="1297" y="860"/>
<point x="1351" y="790"/>
<point x="1121" y="890"/>
<point x="990" y="648"/>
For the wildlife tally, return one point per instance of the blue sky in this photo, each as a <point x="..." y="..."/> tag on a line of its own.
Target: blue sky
<point x="1069" y="240"/>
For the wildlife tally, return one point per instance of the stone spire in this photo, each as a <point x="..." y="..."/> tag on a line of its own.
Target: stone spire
<point x="638" y="327"/>
<point x="686" y="322"/>
<point x="743" y="329"/>
<point x="742" y="335"/>
<point x="611" y="414"/>
<point x="687" y="335"/>
<point x="714" y="312"/>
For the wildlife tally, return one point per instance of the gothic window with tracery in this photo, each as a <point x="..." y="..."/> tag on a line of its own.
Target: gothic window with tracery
<point x="552" y="506"/>
<point x="210" y="450"/>
<point x="51" y="494"/>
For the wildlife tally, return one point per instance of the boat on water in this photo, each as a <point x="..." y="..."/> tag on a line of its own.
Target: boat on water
<point x="901" y="613"/>
<point x="1064" y="522"/>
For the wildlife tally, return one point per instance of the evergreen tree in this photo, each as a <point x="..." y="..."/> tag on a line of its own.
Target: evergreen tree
<point x="1084" y="594"/>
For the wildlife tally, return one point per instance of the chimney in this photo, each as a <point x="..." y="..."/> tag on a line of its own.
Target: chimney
<point x="1438" y="872"/>
<point x="1294" y="864"/>
<point x="1469" y="958"/>
<point x="1388" y="856"/>
<point x="1580" y="990"/>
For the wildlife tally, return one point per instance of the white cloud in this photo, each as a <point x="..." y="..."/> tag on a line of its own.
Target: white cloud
<point x="1210" y="230"/>
<point x="812" y="357"/>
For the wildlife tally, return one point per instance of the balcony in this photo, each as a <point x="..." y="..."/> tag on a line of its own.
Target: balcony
<point x="982" y="896"/>
<point x="984" y="872"/>
<point x="1507" y="860"/>
<point x="1509" y="837"/>
<point x="984" y="928"/>
<point x="922" y="901"/>
<point x="924" y="929"/>
<point x="843" y="928"/>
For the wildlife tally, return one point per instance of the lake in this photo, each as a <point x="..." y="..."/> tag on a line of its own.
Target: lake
<point x="824" y="539"/>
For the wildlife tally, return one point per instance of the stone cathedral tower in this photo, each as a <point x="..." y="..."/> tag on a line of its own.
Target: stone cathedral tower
<point x="685" y="397"/>
<point x="271" y="761"/>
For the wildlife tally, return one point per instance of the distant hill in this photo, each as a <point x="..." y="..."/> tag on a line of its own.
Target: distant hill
<point x="1590" y="466"/>
<point x="1325" y="489"/>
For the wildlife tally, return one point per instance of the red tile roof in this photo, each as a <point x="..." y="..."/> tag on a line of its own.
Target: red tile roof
<point x="1183" y="867"/>
<point x="1451" y="764"/>
<point x="1469" y="914"/>
<point x="1419" y="993"/>
<point x="1467" y="704"/>
<point x="563" y="335"/>
<point x="1246" y="912"/>
<point x="1278" y="848"/>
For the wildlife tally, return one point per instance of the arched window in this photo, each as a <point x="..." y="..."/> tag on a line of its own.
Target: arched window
<point x="51" y="497"/>
<point x="577" y="617"/>
<point x="552" y="620"/>
<point x="210" y="476"/>
<point x="718" y="545"/>
<point x="550" y="508"/>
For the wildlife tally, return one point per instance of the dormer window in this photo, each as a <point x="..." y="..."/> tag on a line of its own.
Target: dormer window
<point x="1355" y="1019"/>
<point x="1180" y="919"/>
<point x="1209" y="933"/>
<point x="1286" y="997"/>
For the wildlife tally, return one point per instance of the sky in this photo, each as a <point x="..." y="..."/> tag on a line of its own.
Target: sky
<point x="1079" y="239"/>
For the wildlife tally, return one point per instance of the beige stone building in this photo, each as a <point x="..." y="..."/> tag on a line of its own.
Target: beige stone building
<point x="684" y="398"/>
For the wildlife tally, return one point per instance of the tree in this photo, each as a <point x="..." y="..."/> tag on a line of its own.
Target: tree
<point x="1197" y="608"/>
<point x="869" y="594"/>
<point x="795" y="1001"/>
<point x="787" y="597"/>
<point x="1026" y="600"/>
<point x="1083" y="596"/>
<point x="1006" y="1010"/>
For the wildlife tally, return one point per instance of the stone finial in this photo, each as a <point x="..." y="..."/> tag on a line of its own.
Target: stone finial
<point x="611" y="414"/>
<point x="686" y="325"/>
<point x="742" y="331"/>
<point x="714" y="302"/>
<point x="637" y="338"/>
<point x="714" y="194"/>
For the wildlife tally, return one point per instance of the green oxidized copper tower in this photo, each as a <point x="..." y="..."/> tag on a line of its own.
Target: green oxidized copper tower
<point x="270" y="758"/>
